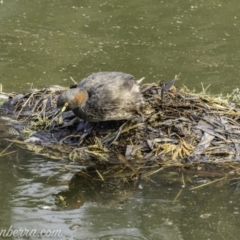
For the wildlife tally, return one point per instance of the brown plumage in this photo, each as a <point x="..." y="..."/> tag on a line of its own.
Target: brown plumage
<point x="104" y="96"/>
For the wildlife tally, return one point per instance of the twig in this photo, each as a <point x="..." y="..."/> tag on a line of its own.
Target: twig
<point x="99" y="174"/>
<point x="4" y="150"/>
<point x="179" y="193"/>
<point x="205" y="184"/>
<point x="73" y="80"/>
<point x="1" y="155"/>
<point x="183" y="181"/>
<point x="25" y="104"/>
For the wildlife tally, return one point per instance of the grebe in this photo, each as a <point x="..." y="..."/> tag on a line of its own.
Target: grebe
<point x="104" y="96"/>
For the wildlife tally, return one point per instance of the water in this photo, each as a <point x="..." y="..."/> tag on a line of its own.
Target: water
<point x="153" y="212"/>
<point x="47" y="42"/>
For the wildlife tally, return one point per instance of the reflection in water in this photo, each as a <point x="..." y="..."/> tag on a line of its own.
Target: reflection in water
<point x="118" y="209"/>
<point x="103" y="210"/>
<point x="98" y="185"/>
<point x="8" y="181"/>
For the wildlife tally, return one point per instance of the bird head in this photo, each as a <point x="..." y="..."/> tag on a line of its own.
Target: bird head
<point x="72" y="98"/>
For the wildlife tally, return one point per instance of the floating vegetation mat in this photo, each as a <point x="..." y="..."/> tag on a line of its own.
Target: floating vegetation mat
<point x="176" y="129"/>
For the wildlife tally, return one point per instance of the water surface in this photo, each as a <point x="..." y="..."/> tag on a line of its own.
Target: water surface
<point x="46" y="42"/>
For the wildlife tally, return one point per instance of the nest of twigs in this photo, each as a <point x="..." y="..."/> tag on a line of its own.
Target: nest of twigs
<point x="176" y="128"/>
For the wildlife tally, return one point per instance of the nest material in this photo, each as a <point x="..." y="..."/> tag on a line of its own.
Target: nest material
<point x="176" y="127"/>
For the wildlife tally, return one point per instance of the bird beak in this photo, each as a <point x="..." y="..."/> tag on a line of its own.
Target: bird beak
<point x="59" y="114"/>
<point x="60" y="118"/>
<point x="64" y="107"/>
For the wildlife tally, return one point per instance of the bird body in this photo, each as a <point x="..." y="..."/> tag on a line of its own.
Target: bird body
<point x="104" y="96"/>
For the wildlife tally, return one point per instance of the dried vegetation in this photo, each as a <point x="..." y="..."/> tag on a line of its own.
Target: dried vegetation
<point x="176" y="129"/>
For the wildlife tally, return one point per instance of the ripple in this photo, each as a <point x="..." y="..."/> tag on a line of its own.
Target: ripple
<point x="122" y="237"/>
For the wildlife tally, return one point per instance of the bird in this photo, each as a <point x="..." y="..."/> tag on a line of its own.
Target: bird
<point x="104" y="96"/>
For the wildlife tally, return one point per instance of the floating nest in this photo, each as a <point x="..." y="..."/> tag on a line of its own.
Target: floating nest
<point x="176" y="129"/>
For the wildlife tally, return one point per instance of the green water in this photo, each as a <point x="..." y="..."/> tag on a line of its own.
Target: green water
<point x="46" y="42"/>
